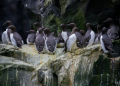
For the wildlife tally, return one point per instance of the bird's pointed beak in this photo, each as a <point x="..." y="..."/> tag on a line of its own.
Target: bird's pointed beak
<point x="4" y="23"/>
<point x="26" y="31"/>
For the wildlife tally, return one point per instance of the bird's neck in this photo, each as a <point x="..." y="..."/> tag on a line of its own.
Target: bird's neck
<point x="64" y="29"/>
<point x="99" y="31"/>
<point x="48" y="34"/>
<point x="37" y="28"/>
<point x="89" y="28"/>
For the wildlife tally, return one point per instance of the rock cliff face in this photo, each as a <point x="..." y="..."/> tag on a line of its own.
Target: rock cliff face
<point x="82" y="67"/>
<point x="51" y="13"/>
<point x="25" y="67"/>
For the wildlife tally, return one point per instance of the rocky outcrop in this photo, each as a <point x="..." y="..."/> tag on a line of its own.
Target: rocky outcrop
<point x="25" y="67"/>
<point x="106" y="72"/>
<point x="81" y="67"/>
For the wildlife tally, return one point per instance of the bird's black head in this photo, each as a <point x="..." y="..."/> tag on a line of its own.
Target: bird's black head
<point x="88" y="25"/>
<point x="30" y="31"/>
<point x="82" y="32"/>
<point x="104" y="30"/>
<point x="36" y="24"/>
<point x="71" y="25"/>
<point x="47" y="31"/>
<point x="8" y="23"/>
<point x="13" y="28"/>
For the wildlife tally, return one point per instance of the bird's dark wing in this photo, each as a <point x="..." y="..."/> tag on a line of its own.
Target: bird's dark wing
<point x="107" y="42"/>
<point x="40" y="43"/>
<point x="18" y="39"/>
<point x="87" y="38"/>
<point x="79" y="39"/>
<point x="31" y="38"/>
<point x="8" y="32"/>
<point x="68" y="32"/>
<point x="51" y="43"/>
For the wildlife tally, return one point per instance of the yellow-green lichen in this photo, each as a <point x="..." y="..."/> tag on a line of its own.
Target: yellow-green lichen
<point x="47" y="2"/>
<point x="64" y="4"/>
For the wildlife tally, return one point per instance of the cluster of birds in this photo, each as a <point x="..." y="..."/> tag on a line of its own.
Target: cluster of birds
<point x="45" y="41"/>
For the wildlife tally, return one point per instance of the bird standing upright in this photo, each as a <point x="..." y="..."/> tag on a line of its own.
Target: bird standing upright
<point x="16" y="39"/>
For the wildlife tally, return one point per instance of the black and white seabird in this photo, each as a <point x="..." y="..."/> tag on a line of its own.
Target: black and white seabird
<point x="114" y="30"/>
<point x="82" y="32"/>
<point x="40" y="42"/>
<point x="106" y="42"/>
<point x="98" y="35"/>
<point x="50" y="41"/>
<point x="38" y="27"/>
<point x="72" y="25"/>
<point x="65" y="32"/>
<point x="89" y="36"/>
<point x="74" y="40"/>
<point x="16" y="39"/>
<point x="31" y="37"/>
<point x="6" y="34"/>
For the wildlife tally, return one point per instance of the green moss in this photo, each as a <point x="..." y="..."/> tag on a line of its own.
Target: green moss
<point x="101" y="80"/>
<point x="116" y="42"/>
<point x="1" y="67"/>
<point x="52" y="22"/>
<point x="33" y="18"/>
<point x="78" y="18"/>
<point x="64" y="4"/>
<point x="47" y="2"/>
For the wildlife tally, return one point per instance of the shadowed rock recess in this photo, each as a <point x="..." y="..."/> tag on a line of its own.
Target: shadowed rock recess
<point x="83" y="67"/>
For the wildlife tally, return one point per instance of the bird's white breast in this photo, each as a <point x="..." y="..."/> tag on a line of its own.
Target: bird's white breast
<point x="4" y="40"/>
<point x="13" y="40"/>
<point x="71" y="42"/>
<point x="102" y="45"/>
<point x="92" y="38"/>
<point x="96" y="40"/>
<point x="64" y="35"/>
<point x="7" y="37"/>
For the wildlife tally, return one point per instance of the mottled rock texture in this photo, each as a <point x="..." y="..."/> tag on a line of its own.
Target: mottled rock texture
<point x="81" y="67"/>
<point x="25" y="67"/>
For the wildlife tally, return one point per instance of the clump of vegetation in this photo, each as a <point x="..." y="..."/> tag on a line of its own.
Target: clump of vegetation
<point x="52" y="22"/>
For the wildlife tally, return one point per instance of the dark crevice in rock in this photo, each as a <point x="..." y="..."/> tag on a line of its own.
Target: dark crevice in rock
<point x="55" y="80"/>
<point x="56" y="3"/>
